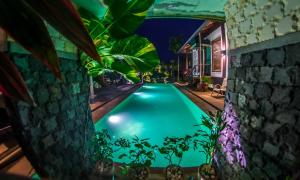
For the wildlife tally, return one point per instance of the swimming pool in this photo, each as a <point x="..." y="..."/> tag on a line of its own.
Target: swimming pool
<point x="155" y="111"/>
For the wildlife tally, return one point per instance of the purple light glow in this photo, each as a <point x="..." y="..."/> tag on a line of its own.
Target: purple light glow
<point x="230" y="138"/>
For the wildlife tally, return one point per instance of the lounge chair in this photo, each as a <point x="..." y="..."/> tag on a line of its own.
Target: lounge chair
<point x="220" y="89"/>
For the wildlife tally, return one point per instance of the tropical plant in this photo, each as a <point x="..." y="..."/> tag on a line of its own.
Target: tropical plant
<point x="104" y="149"/>
<point x="141" y="153"/>
<point x="175" y="147"/>
<point x="159" y="74"/>
<point x="175" y="43"/>
<point x="147" y="77"/>
<point x="121" y="51"/>
<point x="123" y="17"/>
<point x="121" y="143"/>
<point x="104" y="145"/>
<point x="128" y="57"/>
<point x="206" y="79"/>
<point x="206" y="138"/>
<point x="24" y="22"/>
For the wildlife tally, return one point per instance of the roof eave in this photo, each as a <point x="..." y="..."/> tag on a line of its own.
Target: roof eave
<point x="191" y="37"/>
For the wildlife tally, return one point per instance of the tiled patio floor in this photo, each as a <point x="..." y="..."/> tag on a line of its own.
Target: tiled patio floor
<point x="217" y="101"/>
<point x="204" y="100"/>
<point x="106" y="94"/>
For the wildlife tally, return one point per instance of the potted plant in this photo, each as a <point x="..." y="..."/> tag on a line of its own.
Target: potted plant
<point x="174" y="147"/>
<point x="103" y="153"/>
<point x="105" y="147"/>
<point x="206" y="141"/>
<point x="205" y="81"/>
<point x="141" y="155"/>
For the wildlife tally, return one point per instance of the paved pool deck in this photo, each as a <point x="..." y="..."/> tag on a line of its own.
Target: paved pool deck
<point x="106" y="94"/>
<point x="205" y="100"/>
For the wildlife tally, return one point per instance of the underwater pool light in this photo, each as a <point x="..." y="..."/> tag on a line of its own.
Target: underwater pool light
<point x="114" y="119"/>
<point x="149" y="87"/>
<point x="143" y="95"/>
<point x="138" y="93"/>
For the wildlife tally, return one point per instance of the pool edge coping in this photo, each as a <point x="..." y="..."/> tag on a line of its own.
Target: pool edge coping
<point x="123" y="96"/>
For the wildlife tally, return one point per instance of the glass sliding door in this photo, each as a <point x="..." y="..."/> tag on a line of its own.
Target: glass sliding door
<point x="207" y="60"/>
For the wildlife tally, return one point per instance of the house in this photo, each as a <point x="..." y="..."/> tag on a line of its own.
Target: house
<point x="205" y="53"/>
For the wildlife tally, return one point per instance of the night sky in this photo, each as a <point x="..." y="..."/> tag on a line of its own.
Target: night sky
<point x="159" y="31"/>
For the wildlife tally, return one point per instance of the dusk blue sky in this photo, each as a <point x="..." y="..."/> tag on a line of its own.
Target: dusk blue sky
<point x="159" y="31"/>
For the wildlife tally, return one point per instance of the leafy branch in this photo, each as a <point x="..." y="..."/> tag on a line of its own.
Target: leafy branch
<point x="141" y="153"/>
<point x="103" y="144"/>
<point x="208" y="140"/>
<point x="175" y="147"/>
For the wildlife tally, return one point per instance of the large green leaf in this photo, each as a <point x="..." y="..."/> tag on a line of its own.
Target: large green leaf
<point x="94" y="26"/>
<point x="136" y="51"/>
<point x="62" y="15"/>
<point x="94" y="6"/>
<point x="125" y="16"/>
<point x="12" y="81"/>
<point x="127" y="56"/>
<point x="28" y="29"/>
<point x="109" y="65"/>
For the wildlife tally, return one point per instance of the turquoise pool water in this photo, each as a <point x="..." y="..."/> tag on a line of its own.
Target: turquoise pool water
<point x="155" y="111"/>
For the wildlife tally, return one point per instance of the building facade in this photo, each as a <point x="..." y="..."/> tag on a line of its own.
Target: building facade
<point x="205" y="53"/>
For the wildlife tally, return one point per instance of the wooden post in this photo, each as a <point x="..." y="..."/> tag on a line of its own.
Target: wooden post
<point x="201" y="67"/>
<point x="92" y="87"/>
<point x="3" y="37"/>
<point x="178" y="68"/>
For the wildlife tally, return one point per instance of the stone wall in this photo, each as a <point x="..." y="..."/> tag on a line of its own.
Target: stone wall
<point x="61" y="43"/>
<point x="56" y="134"/>
<point x="252" y="21"/>
<point x="262" y="104"/>
<point x="263" y="99"/>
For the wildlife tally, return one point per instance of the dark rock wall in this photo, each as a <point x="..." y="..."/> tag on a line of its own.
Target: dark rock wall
<point x="56" y="135"/>
<point x="262" y="109"/>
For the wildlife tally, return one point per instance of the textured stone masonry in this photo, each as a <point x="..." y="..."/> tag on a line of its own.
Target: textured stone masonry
<point x="60" y="128"/>
<point x="262" y="104"/>
<point x="253" y="21"/>
<point x="56" y="134"/>
<point x="265" y="105"/>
